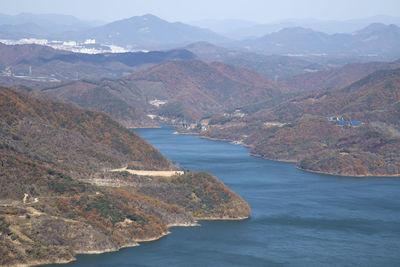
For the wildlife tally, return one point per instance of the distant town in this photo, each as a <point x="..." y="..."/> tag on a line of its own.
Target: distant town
<point x="89" y="46"/>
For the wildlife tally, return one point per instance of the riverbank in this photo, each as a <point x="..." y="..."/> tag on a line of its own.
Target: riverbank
<point x="277" y="160"/>
<point x="223" y="219"/>
<point x="136" y="243"/>
<point x="353" y="175"/>
<point x="292" y="161"/>
<point x="93" y="252"/>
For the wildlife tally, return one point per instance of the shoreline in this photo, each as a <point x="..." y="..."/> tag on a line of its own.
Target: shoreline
<point x="183" y="224"/>
<point x="277" y="160"/>
<point x="347" y="175"/>
<point x="295" y="161"/>
<point x="37" y="263"/>
<point x="135" y="243"/>
<point x="223" y="219"/>
<point x="148" y="239"/>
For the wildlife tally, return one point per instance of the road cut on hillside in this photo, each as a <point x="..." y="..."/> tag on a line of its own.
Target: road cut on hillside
<point x="149" y="173"/>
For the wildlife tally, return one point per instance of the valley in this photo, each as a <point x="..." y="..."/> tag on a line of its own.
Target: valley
<point x="77" y="177"/>
<point x="280" y="119"/>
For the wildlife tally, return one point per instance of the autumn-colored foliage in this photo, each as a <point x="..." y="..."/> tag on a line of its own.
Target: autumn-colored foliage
<point x="96" y="126"/>
<point x="52" y="158"/>
<point x="295" y="128"/>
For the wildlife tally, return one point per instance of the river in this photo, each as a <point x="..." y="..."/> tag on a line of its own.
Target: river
<point x="297" y="218"/>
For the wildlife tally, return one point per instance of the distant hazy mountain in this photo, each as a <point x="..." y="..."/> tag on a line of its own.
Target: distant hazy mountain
<point x="270" y="66"/>
<point x="337" y="77"/>
<point x="20" y="31"/>
<point x="224" y="26"/>
<point x="239" y="32"/>
<point x="147" y="32"/>
<point x="378" y="41"/>
<point x="54" y="23"/>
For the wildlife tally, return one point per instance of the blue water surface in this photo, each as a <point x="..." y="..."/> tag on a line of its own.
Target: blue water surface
<point x="297" y="218"/>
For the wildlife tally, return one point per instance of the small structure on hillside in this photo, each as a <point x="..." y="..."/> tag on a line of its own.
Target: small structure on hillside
<point x="25" y="199"/>
<point x="334" y="119"/>
<point x="157" y="102"/>
<point x="238" y="113"/>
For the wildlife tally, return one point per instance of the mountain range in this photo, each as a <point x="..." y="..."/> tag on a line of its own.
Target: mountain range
<point x="270" y="66"/>
<point x="279" y="113"/>
<point x="238" y="29"/>
<point x="49" y="23"/>
<point x="336" y="77"/>
<point x="74" y="179"/>
<point x="191" y="88"/>
<point x="146" y="32"/>
<point x="377" y="41"/>
<point x="37" y="62"/>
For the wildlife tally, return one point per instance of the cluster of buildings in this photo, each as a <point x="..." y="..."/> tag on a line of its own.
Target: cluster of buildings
<point x="342" y="122"/>
<point x="88" y="46"/>
<point x="237" y="113"/>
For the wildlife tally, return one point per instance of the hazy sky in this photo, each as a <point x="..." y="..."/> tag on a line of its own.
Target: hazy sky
<point x="191" y="10"/>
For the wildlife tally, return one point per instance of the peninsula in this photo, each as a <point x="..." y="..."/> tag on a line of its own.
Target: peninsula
<point x="56" y="200"/>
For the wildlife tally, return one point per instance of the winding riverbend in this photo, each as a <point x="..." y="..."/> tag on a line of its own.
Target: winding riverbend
<point x="298" y="218"/>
